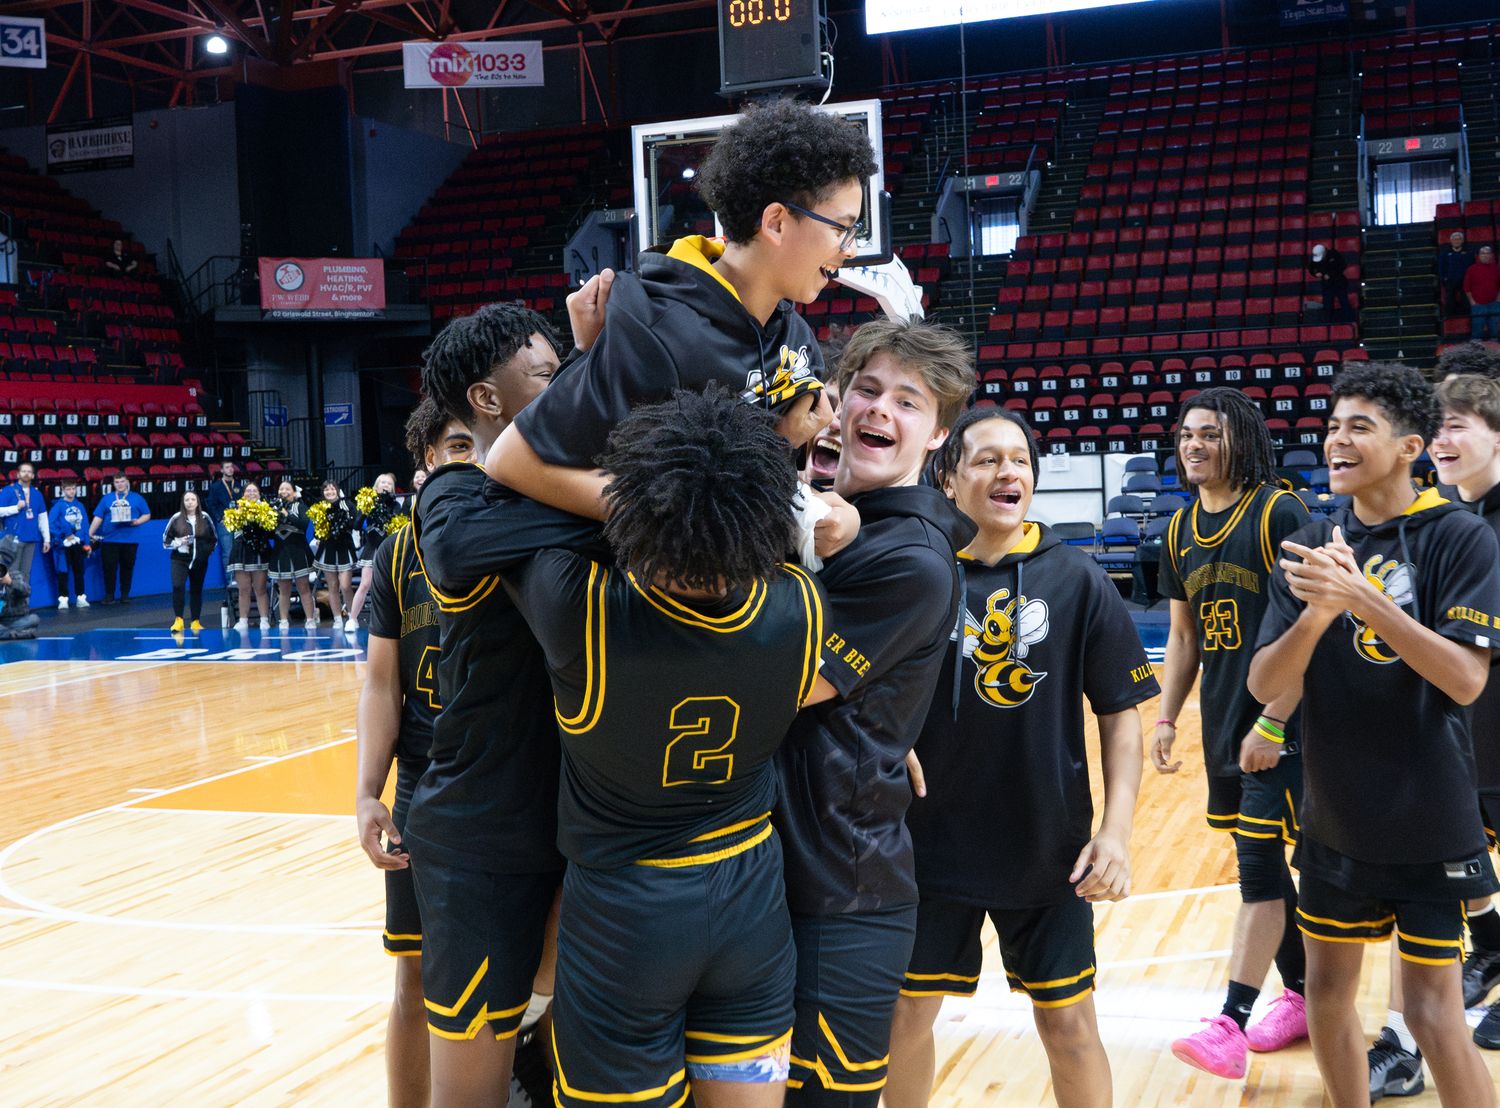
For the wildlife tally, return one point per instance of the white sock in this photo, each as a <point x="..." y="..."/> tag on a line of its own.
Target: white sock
<point x="1396" y="1021"/>
<point x="535" y="1010"/>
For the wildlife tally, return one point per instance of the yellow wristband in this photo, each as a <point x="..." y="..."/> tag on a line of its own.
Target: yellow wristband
<point x="1266" y="733"/>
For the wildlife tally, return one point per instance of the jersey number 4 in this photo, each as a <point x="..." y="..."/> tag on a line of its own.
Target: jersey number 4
<point x="427" y="676"/>
<point x="1221" y="624"/>
<point x="704" y="727"/>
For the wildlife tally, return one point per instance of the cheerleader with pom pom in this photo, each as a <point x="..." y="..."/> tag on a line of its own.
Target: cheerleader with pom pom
<point x="336" y="556"/>
<point x="291" y="562"/>
<point x="378" y="506"/>
<point x="253" y="523"/>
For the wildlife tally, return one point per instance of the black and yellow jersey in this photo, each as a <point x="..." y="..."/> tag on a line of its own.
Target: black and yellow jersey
<point x="893" y="597"/>
<point x="669" y="710"/>
<point x="488" y="800"/>
<point x="402" y="608"/>
<point x="1386" y="755"/>
<point x="1003" y="748"/>
<point x="1220" y="563"/>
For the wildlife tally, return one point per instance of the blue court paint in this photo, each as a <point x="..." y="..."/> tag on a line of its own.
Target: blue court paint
<point x="299" y="645"/>
<point x="212" y="645"/>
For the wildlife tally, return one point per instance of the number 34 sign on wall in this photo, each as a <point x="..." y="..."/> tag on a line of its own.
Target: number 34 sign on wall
<point x="23" y="42"/>
<point x="471" y="64"/>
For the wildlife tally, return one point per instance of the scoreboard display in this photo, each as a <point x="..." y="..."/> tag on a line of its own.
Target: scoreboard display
<point x="765" y="44"/>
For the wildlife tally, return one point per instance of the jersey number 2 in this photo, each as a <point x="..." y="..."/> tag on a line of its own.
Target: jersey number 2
<point x="1221" y="625"/>
<point x="704" y="727"/>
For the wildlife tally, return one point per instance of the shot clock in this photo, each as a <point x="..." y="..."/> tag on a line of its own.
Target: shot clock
<point x="769" y="44"/>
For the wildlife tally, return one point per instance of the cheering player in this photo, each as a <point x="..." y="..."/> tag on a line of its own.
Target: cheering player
<point x="1005" y="762"/>
<point x="1383" y="615"/>
<point x="396" y="709"/>
<point x="1216" y="564"/>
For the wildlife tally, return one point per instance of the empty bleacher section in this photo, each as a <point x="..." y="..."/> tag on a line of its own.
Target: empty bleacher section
<point x="92" y="361"/>
<point x="495" y="229"/>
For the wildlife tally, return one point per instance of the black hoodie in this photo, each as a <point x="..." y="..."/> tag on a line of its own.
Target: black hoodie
<point x="1003" y="745"/>
<point x="1484" y="713"/>
<point x="893" y="599"/>
<point x="673" y="324"/>
<point x="1388" y="765"/>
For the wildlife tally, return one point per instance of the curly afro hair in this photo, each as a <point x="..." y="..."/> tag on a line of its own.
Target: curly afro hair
<point x="1471" y="357"/>
<point x="702" y="491"/>
<point x="1406" y="397"/>
<point x="472" y="347"/>
<point x="783" y="151"/>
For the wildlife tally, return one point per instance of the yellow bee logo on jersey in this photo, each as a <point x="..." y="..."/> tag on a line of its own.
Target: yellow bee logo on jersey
<point x="999" y="642"/>
<point x="1395" y="580"/>
<point x="793" y="375"/>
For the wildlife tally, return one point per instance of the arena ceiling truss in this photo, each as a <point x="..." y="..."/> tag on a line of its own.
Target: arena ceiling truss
<point x="158" y="44"/>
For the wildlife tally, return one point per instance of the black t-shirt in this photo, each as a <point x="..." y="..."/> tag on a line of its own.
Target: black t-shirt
<point x="1220" y="564"/>
<point x="402" y="608"/>
<point x="893" y="597"/>
<point x="1484" y="713"/>
<point x="671" y="325"/>
<point x="1008" y="808"/>
<point x="669" y="711"/>
<point x="488" y="800"/>
<point x="1387" y="761"/>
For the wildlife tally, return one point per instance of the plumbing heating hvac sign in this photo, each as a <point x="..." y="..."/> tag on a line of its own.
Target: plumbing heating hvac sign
<point x="471" y="64"/>
<point x="322" y="288"/>
<point x="90" y="145"/>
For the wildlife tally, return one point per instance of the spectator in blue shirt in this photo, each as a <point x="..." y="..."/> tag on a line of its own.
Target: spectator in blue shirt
<point x="1453" y="263"/>
<point x="25" y="514"/>
<point x="68" y="521"/>
<point x="116" y="519"/>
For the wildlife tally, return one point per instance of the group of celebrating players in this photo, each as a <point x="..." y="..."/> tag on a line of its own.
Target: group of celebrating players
<point x="656" y="699"/>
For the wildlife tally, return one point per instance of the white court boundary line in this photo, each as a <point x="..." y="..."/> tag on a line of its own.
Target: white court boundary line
<point x="52" y="911"/>
<point x="362" y="999"/>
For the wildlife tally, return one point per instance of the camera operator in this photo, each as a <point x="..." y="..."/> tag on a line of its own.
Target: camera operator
<point x="17" y="620"/>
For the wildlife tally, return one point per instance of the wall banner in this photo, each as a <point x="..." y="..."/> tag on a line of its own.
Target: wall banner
<point x="90" y="145"/>
<point x="472" y="64"/>
<point x="322" y="288"/>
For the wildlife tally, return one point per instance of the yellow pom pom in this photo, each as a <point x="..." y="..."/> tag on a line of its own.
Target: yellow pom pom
<point x="364" y="500"/>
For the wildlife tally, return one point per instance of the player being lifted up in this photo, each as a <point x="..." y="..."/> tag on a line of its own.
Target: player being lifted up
<point x="893" y="597"/>
<point x="482" y="829"/>
<point x="396" y="709"/>
<point x="1005" y="762"/>
<point x="1216" y="569"/>
<point x="1384" y="614"/>
<point x="785" y="182"/>
<point x="676" y="676"/>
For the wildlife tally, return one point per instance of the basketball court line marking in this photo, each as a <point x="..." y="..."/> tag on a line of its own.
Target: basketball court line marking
<point x="48" y="686"/>
<point x="363" y="999"/>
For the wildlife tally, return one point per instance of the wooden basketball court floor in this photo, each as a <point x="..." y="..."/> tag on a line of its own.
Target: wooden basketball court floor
<point x="185" y="916"/>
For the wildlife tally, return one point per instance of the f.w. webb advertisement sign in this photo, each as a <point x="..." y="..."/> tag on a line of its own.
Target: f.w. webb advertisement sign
<point x="322" y="288"/>
<point x="471" y="64"/>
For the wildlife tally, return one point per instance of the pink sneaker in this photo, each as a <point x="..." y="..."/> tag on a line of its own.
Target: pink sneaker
<point x="1283" y="1025"/>
<point x="1219" y="1048"/>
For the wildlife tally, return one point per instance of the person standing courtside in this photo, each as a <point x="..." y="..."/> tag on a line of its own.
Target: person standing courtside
<point x="1215" y="569"/>
<point x="25" y="513"/>
<point x="396" y="708"/>
<point x="222" y="493"/>
<point x="117" y="519"/>
<point x="68" y="523"/>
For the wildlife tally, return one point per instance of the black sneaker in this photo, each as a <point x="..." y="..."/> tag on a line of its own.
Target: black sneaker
<point x="107" y="601"/>
<point x="124" y="600"/>
<point x="532" y="1070"/>
<point x="1487" y="1034"/>
<point x="1481" y="974"/>
<point x="1394" y="1071"/>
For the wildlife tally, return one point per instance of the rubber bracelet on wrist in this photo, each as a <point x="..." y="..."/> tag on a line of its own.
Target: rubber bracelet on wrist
<point x="1268" y="730"/>
<point x="1169" y="722"/>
